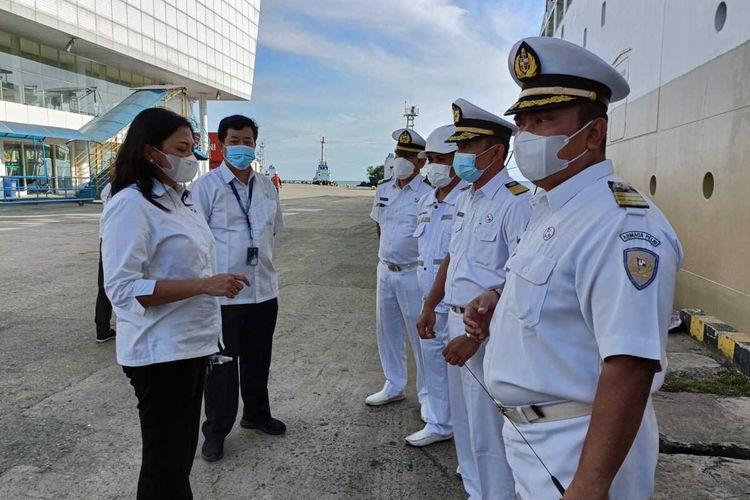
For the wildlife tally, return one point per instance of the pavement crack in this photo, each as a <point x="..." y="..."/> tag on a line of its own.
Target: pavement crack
<point x="670" y="447"/>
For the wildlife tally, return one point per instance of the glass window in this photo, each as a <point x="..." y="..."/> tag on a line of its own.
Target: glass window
<point x="48" y="55"/>
<point x="171" y="16"/>
<point x="29" y="49"/>
<point x="6" y="44"/>
<point x="147" y="6"/>
<point x="119" y="11"/>
<point x="134" y="18"/>
<point x="104" y="8"/>
<point x="160" y="10"/>
<point x="148" y="26"/>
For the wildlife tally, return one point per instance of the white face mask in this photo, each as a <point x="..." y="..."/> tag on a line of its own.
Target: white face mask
<point x="536" y="155"/>
<point x="183" y="168"/>
<point x="402" y="168"/>
<point x="439" y="175"/>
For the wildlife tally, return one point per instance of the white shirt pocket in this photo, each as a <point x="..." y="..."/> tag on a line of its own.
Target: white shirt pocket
<point x="486" y="236"/>
<point x="420" y="230"/>
<point x="528" y="282"/>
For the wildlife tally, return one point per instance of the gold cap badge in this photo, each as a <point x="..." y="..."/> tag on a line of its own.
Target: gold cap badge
<point x="404" y="138"/>
<point x="526" y="64"/>
<point x="456" y="114"/>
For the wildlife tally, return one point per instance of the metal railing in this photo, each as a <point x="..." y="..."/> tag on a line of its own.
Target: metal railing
<point x="18" y="189"/>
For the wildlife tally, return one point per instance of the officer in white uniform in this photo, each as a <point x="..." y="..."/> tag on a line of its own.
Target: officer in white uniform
<point x="490" y="216"/>
<point x="434" y="228"/>
<point x="394" y="211"/>
<point x="578" y="338"/>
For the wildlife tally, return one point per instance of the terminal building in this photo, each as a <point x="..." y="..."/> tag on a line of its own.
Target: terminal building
<point x="74" y="73"/>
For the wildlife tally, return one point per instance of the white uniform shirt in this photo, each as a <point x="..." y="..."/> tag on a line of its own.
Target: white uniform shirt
<point x="143" y="244"/>
<point x="486" y="229"/>
<point x="434" y="229"/>
<point x="214" y="196"/>
<point x="589" y="280"/>
<point x="395" y="210"/>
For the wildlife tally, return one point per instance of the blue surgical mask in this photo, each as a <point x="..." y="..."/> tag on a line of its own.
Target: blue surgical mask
<point x="240" y="156"/>
<point x="464" y="164"/>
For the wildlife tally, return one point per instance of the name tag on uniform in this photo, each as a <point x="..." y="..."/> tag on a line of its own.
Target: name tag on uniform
<point x="252" y="256"/>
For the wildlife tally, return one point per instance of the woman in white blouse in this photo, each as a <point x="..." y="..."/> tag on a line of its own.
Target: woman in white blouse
<point x="159" y="272"/>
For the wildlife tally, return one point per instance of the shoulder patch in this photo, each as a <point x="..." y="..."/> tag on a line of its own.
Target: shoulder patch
<point x="626" y="195"/>
<point x="384" y="181"/>
<point x="516" y="188"/>
<point x="641" y="266"/>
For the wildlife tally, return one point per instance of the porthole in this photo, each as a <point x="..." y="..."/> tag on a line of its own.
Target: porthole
<point x="708" y="185"/>
<point x="652" y="185"/>
<point x="721" y="16"/>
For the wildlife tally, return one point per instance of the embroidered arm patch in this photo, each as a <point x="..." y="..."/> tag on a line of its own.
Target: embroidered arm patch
<point x="641" y="266"/>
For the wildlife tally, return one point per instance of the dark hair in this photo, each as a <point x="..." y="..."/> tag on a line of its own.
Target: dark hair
<point x="150" y="127"/>
<point x="236" y="122"/>
<point x="589" y="111"/>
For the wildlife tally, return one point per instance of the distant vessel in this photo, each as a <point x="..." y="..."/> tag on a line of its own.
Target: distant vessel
<point x="681" y="135"/>
<point x="322" y="175"/>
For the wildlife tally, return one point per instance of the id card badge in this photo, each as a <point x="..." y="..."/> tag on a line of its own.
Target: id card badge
<point x="252" y="256"/>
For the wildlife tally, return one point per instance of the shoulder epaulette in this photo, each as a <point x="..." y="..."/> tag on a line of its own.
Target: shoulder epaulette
<point x="516" y="188"/>
<point x="626" y="195"/>
<point x="384" y="181"/>
<point x="468" y="186"/>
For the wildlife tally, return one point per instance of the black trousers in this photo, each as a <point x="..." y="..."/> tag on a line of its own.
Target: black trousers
<point x="103" y="312"/>
<point x="169" y="406"/>
<point x="248" y="335"/>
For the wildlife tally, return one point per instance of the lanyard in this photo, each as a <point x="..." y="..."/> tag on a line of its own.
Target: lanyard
<point x="245" y="211"/>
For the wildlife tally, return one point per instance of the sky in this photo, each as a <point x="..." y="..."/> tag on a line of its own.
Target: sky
<point x="344" y="68"/>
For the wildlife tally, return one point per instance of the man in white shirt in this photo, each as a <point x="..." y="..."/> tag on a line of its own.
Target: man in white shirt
<point x="243" y="211"/>
<point x="490" y="216"/>
<point x="434" y="227"/>
<point x="399" y="301"/>
<point x="578" y="339"/>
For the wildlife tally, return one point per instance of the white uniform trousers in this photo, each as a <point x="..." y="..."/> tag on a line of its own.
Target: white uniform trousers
<point x="438" y="414"/>
<point x="461" y="437"/>
<point x="399" y="303"/>
<point x="560" y="443"/>
<point x="485" y="426"/>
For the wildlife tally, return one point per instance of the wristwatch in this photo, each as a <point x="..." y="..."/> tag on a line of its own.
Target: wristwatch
<point x="498" y="290"/>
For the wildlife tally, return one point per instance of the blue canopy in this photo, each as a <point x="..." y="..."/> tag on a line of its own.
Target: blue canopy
<point x="38" y="132"/>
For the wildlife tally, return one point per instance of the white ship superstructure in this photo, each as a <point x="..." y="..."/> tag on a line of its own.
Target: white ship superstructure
<point x="681" y="135"/>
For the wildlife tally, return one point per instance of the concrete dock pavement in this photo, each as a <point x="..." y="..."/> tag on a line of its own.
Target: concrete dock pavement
<point x="69" y="425"/>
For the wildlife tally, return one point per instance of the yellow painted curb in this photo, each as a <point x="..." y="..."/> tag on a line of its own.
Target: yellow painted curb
<point x="697" y="323"/>
<point x="727" y="342"/>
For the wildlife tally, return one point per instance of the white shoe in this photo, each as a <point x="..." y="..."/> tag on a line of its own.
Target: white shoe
<point x="382" y="398"/>
<point x="425" y="438"/>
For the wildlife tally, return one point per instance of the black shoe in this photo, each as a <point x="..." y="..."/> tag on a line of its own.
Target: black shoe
<point x="271" y="426"/>
<point x="212" y="451"/>
<point x="108" y="336"/>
